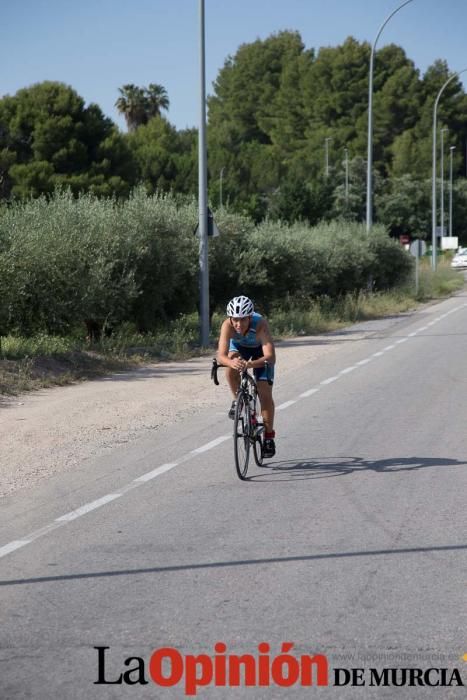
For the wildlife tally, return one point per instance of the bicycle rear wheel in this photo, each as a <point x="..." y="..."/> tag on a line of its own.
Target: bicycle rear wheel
<point x="241" y="435"/>
<point x="258" y="445"/>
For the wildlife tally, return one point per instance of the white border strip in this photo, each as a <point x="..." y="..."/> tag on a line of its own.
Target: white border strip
<point x="210" y="445"/>
<point x="12" y="546"/>
<point x="72" y="515"/>
<point x="155" y="472"/>
<point x="282" y="406"/>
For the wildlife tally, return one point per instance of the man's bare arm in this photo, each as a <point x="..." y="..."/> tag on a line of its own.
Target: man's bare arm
<point x="223" y="345"/>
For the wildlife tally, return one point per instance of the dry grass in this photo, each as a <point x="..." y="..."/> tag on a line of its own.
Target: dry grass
<point x="41" y="371"/>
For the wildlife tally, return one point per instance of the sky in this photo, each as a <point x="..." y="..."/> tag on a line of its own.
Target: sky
<point x="96" y="46"/>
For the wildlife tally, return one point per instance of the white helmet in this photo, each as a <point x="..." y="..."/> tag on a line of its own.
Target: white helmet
<point x="240" y="307"/>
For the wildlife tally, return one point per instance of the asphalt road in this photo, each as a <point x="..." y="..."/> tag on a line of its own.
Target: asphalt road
<point x="351" y="543"/>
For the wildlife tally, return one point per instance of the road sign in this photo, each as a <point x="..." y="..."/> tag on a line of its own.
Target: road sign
<point x="417" y="248"/>
<point x="213" y="231"/>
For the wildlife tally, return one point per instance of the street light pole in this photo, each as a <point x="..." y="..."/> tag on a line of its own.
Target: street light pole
<point x="433" y="170"/>
<point x="203" y="192"/>
<point x="441" y="169"/>
<point x="451" y="149"/>
<point x="326" y="156"/>
<point x="369" y="185"/>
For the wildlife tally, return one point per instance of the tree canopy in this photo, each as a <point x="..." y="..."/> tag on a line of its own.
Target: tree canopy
<point x="48" y="138"/>
<point x="274" y="105"/>
<point x="138" y="104"/>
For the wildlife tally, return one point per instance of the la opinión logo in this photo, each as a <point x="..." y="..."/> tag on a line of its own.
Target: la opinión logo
<point x="168" y="667"/>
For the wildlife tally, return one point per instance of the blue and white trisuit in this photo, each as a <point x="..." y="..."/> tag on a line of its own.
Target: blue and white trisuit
<point x="250" y="348"/>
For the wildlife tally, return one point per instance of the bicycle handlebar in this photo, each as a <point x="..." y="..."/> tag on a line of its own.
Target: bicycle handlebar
<point x="216" y="365"/>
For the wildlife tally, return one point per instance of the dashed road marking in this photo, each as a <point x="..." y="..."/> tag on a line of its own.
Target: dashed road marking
<point x="72" y="515"/>
<point x="210" y="445"/>
<point x="282" y="406"/>
<point x="328" y="381"/>
<point x="310" y="392"/>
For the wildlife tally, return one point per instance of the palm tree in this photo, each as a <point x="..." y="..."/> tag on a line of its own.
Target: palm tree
<point x="157" y="99"/>
<point x="139" y="105"/>
<point x="132" y="104"/>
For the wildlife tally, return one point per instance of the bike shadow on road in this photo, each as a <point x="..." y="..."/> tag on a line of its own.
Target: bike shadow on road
<point x="326" y="467"/>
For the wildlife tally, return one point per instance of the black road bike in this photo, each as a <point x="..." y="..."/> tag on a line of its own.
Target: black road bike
<point x="248" y="432"/>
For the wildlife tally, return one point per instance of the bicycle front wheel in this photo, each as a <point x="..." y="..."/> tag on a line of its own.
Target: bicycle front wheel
<point x="241" y="436"/>
<point x="258" y="445"/>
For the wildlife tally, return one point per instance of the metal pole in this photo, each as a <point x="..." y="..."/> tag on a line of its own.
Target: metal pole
<point x="203" y="192"/>
<point x="441" y="170"/>
<point x="369" y="185"/>
<point x="451" y="149"/>
<point x="417" y="274"/>
<point x="433" y="170"/>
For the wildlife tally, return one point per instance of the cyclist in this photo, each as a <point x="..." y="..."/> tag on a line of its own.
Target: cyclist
<point x="244" y="335"/>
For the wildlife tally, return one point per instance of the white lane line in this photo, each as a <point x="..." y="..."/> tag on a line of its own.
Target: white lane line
<point x="286" y="404"/>
<point x="411" y="335"/>
<point x="210" y="445"/>
<point x="348" y="369"/>
<point x="363" y="362"/>
<point x="310" y="392"/>
<point x="43" y="531"/>
<point x="401" y="340"/>
<point x="329" y="381"/>
<point x="12" y="546"/>
<point x="155" y="472"/>
<point x="378" y="354"/>
<point x="73" y="514"/>
<point x="388" y="347"/>
<point x="128" y="487"/>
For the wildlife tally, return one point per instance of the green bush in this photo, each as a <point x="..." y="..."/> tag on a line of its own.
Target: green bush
<point x="63" y="261"/>
<point x="67" y="262"/>
<point x="392" y="264"/>
<point x="165" y="260"/>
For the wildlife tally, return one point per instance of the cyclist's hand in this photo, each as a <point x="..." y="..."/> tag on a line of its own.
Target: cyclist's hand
<point x="239" y="364"/>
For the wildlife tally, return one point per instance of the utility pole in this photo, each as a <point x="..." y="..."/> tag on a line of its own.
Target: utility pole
<point x="451" y="150"/>
<point x="203" y="193"/>
<point x="441" y="172"/>
<point x="369" y="166"/>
